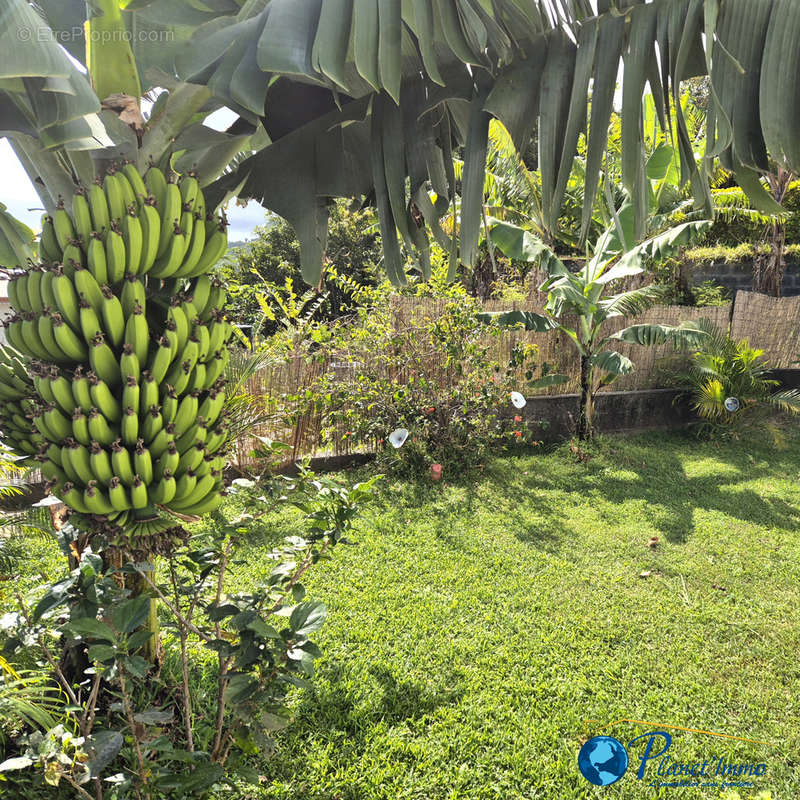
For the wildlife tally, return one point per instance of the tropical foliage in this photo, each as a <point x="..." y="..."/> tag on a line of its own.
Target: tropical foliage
<point x="731" y="385"/>
<point x="583" y="295"/>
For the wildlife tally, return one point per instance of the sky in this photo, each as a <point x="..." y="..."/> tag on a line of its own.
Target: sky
<point x="19" y="196"/>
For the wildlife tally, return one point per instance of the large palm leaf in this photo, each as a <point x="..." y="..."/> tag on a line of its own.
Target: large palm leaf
<point x="325" y="78"/>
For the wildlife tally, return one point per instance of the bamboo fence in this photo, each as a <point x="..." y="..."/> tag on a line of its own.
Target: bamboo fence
<point x="772" y="324"/>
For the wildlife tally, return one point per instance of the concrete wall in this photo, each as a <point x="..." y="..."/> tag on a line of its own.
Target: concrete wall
<point x="739" y="275"/>
<point x="615" y="412"/>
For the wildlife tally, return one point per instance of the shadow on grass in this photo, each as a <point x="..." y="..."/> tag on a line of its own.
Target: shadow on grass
<point x="334" y="710"/>
<point x="671" y="496"/>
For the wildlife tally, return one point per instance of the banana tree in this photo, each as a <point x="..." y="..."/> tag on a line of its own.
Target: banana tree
<point x="585" y="296"/>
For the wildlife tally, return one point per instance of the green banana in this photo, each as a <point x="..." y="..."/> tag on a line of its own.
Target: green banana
<point x="138" y="493"/>
<point x="73" y="257"/>
<point x="203" y="337"/>
<point x="61" y="390"/>
<point x="129" y="366"/>
<point x="66" y="462"/>
<point x="164" y="490"/>
<point x="121" y="463"/>
<point x="117" y="495"/>
<point x="33" y="288"/>
<point x="130" y="392"/>
<point x="202" y="488"/>
<point x="99" y="429"/>
<point x="197" y="381"/>
<point x="156" y="184"/>
<point x="191" y="459"/>
<point x="68" y="341"/>
<point x="212" y="406"/>
<point x="176" y="315"/>
<point x="162" y="358"/>
<point x="133" y="236"/>
<point x="169" y="405"/>
<point x="96" y="500"/>
<point x="151" y="235"/>
<point x="80" y="427"/>
<point x="90" y="321"/>
<point x="87" y="287"/>
<point x="217" y="439"/>
<point x="170" y="260"/>
<point x="170" y="211"/>
<point x="161" y="440"/>
<point x="46" y="293"/>
<point x="103" y="361"/>
<point x="116" y="257"/>
<point x="135" y="179"/>
<point x="80" y="390"/>
<point x="100" y="463"/>
<point x="129" y="427"/>
<point x="82" y="215"/>
<point x="142" y="463"/>
<point x="190" y="189"/>
<point x="133" y="292"/>
<point x="151" y="425"/>
<point x="115" y="197"/>
<point x="113" y="317"/>
<point x="45" y="329"/>
<point x="196" y="434"/>
<point x="216" y="367"/>
<point x="104" y="400"/>
<point x="74" y="499"/>
<point x="194" y="248"/>
<point x="185" y="485"/>
<point x="81" y="464"/>
<point x="215" y="248"/>
<point x="168" y="461"/>
<point x="128" y="194"/>
<point x="212" y="501"/>
<point x="66" y="299"/>
<point x="137" y="333"/>
<point x="49" y="249"/>
<point x="149" y="391"/>
<point x="187" y="411"/>
<point x="201" y="293"/>
<point x="98" y="205"/>
<point x="58" y="423"/>
<point x="62" y="223"/>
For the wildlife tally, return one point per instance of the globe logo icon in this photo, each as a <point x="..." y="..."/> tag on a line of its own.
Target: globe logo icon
<point x="603" y="760"/>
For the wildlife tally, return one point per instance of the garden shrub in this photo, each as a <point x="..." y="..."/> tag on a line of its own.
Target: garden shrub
<point x="185" y="727"/>
<point x="435" y="376"/>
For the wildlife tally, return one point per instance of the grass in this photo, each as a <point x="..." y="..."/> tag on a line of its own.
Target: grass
<point x="473" y="628"/>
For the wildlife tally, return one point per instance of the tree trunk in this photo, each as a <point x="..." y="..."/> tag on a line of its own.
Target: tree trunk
<point x="586" y="410"/>
<point x="768" y="269"/>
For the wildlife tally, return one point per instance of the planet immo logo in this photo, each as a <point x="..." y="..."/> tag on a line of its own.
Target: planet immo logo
<point x="603" y="760"/>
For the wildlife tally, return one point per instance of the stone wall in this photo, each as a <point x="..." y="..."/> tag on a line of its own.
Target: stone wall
<point x="739" y="276"/>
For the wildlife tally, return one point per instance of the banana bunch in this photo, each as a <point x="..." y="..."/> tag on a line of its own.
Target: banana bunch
<point x="17" y="405"/>
<point x="127" y="343"/>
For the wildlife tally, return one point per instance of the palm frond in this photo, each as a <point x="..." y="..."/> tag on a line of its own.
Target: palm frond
<point x="787" y="400"/>
<point x="633" y="302"/>
<point x="27" y="698"/>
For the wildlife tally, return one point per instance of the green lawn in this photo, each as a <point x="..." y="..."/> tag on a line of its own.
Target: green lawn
<point x="474" y="627"/>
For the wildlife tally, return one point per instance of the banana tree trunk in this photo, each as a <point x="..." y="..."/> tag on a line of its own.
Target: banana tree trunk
<point x="586" y="411"/>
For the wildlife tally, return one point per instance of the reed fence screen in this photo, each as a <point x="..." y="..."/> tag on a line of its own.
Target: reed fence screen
<point x="772" y="324"/>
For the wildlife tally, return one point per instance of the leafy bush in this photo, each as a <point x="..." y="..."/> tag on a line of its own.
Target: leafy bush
<point x="726" y="370"/>
<point x="709" y="293"/>
<point x="354" y="247"/>
<point x="435" y="376"/>
<point x="186" y="728"/>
